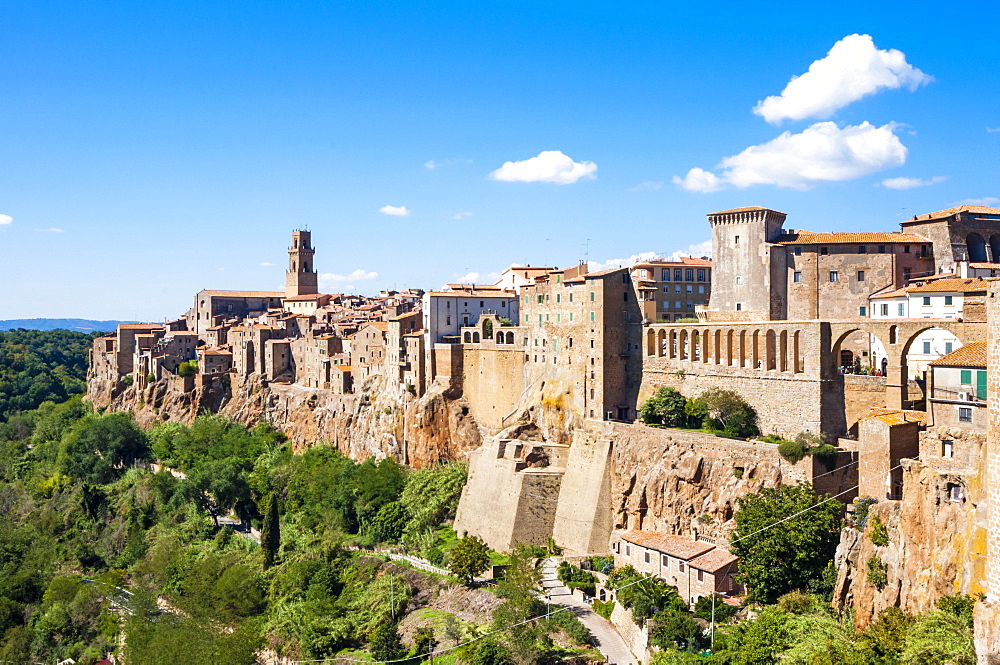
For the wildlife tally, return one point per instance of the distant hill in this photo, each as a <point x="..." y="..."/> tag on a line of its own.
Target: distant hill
<point x="77" y="325"/>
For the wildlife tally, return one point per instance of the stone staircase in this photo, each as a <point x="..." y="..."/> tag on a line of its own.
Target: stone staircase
<point x="550" y="578"/>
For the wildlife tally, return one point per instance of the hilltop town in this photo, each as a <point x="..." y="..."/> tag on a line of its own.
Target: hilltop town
<point x="874" y="344"/>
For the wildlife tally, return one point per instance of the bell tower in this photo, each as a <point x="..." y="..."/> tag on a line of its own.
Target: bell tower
<point x="301" y="278"/>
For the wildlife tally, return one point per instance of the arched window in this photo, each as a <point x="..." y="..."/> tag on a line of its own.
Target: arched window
<point x="488" y="329"/>
<point x="976" y="247"/>
<point x="467" y="338"/>
<point x="995" y="248"/>
<point x="510" y="338"/>
<point x="475" y="337"/>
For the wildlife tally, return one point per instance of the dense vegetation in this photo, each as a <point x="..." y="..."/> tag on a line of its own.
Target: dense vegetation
<point x="38" y="366"/>
<point x="716" y="410"/>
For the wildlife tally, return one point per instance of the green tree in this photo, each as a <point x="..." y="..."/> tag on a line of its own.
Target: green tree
<point x="785" y="538"/>
<point x="99" y="447"/>
<point x="939" y="637"/>
<point x="666" y="407"/>
<point x="730" y="411"/>
<point x="387" y="525"/>
<point x="270" y="532"/>
<point x="424" y="642"/>
<point x="468" y="558"/>
<point x="384" y="642"/>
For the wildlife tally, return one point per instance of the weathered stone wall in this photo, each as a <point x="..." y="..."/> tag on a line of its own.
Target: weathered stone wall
<point x="688" y="483"/>
<point x="492" y="381"/>
<point x="583" y="514"/>
<point x="937" y="542"/>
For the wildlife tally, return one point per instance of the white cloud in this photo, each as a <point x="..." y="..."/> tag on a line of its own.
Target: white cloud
<point x="984" y="201"/>
<point x="356" y="276"/>
<point x="699" y="180"/>
<point x="853" y="69"/>
<point x="5" y="220"/>
<point x="50" y="230"/>
<point x="265" y="264"/>
<point x="822" y="152"/>
<point x="990" y="130"/>
<point x="911" y="183"/>
<point x="697" y="250"/>
<point x="548" y="166"/>
<point x="431" y="164"/>
<point x="462" y="214"/>
<point x="647" y="184"/>
<point x="468" y="278"/>
<point x="395" y="211"/>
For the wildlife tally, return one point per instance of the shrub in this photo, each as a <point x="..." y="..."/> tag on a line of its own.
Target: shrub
<point x="734" y="415"/>
<point x="577" y="578"/>
<point x="723" y="612"/>
<point x="187" y="368"/>
<point x="878" y="572"/>
<point x="878" y="534"/>
<point x="666" y="407"/>
<point x="604" y="607"/>
<point x="863" y="505"/>
<point x="792" y="451"/>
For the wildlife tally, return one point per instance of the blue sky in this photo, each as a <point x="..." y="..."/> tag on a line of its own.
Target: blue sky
<point x="153" y="149"/>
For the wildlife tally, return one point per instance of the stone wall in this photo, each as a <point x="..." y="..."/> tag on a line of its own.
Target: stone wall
<point x="492" y="381"/>
<point x="583" y="514"/>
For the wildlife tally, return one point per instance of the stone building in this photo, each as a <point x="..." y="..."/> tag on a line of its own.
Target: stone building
<point x="957" y="389"/>
<point x="695" y="568"/>
<point x="673" y="290"/>
<point x="301" y="278"/>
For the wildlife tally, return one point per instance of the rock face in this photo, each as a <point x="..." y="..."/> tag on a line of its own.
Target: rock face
<point x="937" y="546"/>
<point x="688" y="483"/>
<point x="378" y="421"/>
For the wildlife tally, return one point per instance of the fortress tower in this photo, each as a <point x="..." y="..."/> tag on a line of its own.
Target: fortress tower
<point x="301" y="278"/>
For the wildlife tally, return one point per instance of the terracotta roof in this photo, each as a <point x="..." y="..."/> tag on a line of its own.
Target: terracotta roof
<point x="342" y="368"/>
<point x="972" y="354"/>
<point x="216" y="352"/>
<point x="307" y="297"/>
<point x="715" y="560"/>
<point x="400" y="317"/>
<point x="948" y="212"/>
<point x="495" y="293"/>
<point x="801" y="237"/>
<point x="681" y="547"/>
<point x="989" y="266"/>
<point x="602" y="273"/>
<point x="685" y="261"/>
<point x="897" y="416"/>
<point x="139" y="326"/>
<point x="895" y="293"/>
<point x="246" y="294"/>
<point x="949" y="285"/>
<point x="746" y="209"/>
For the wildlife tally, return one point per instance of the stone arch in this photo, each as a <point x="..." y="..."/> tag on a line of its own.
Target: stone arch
<point x="867" y="350"/>
<point x="661" y="341"/>
<point x="650" y="342"/>
<point x="467" y="337"/>
<point x="305" y="267"/>
<point x="717" y="355"/>
<point x="976" y="247"/>
<point x="672" y="348"/>
<point x="682" y="351"/>
<point x="743" y="349"/>
<point x="783" y="351"/>
<point x="755" y="361"/>
<point x="893" y="334"/>
<point x="475" y="337"/>
<point x="770" y="352"/>
<point x="510" y="338"/>
<point x="995" y="248"/>
<point x="797" y="359"/>
<point x="729" y="347"/>
<point x="499" y="338"/>
<point x="915" y="359"/>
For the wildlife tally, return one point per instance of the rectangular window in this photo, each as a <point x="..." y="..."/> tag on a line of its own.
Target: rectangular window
<point x="739" y="279"/>
<point x="666" y="289"/>
<point x="902" y="309"/>
<point x="555" y="344"/>
<point x="558" y="318"/>
<point x="558" y="279"/>
<point x="927" y="348"/>
<point x="863" y="311"/>
<point x="739" y="307"/>
<point x="798" y="251"/>
<point x="677" y="288"/>
<point x="591" y="296"/>
<point x="948" y="300"/>
<point x="541" y="298"/>
<point x="736" y="240"/>
<point x="701" y="289"/>
<point x="571" y="316"/>
<point x="592" y="317"/>
<point x="677" y="304"/>
<point x="571" y="297"/>
<point x="701" y="575"/>
<point x="926" y="301"/>
<point x="885" y="309"/>
<point x="823" y="251"/>
<point x="947" y="347"/>
<point x="796" y="276"/>
<point x="833" y="275"/>
<point x="571" y="342"/>
<point x="666" y="274"/>
<point x="955" y="492"/>
<point x="664" y="560"/>
<point x="539" y="319"/>
<point x="525" y="298"/>
<point x="689" y="275"/>
<point x="447" y="320"/>
<point x="558" y="297"/>
<point x="965" y="414"/>
<point x="645" y="557"/>
<point x="862" y="249"/>
<point x="546" y="317"/>
<point x="628" y="550"/>
<point x="948" y="449"/>
<point x="965" y="377"/>
<point x="906" y="249"/>
<point x="981" y="384"/>
<point x="861" y="275"/>
<point x="690" y="289"/>
<point x="680" y="566"/>
<point x="701" y="275"/>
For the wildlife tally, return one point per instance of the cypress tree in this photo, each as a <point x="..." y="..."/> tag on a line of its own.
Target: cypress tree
<point x="270" y="532"/>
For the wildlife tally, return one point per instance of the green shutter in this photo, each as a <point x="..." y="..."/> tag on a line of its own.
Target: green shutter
<point x="981" y="384"/>
<point x="966" y="378"/>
